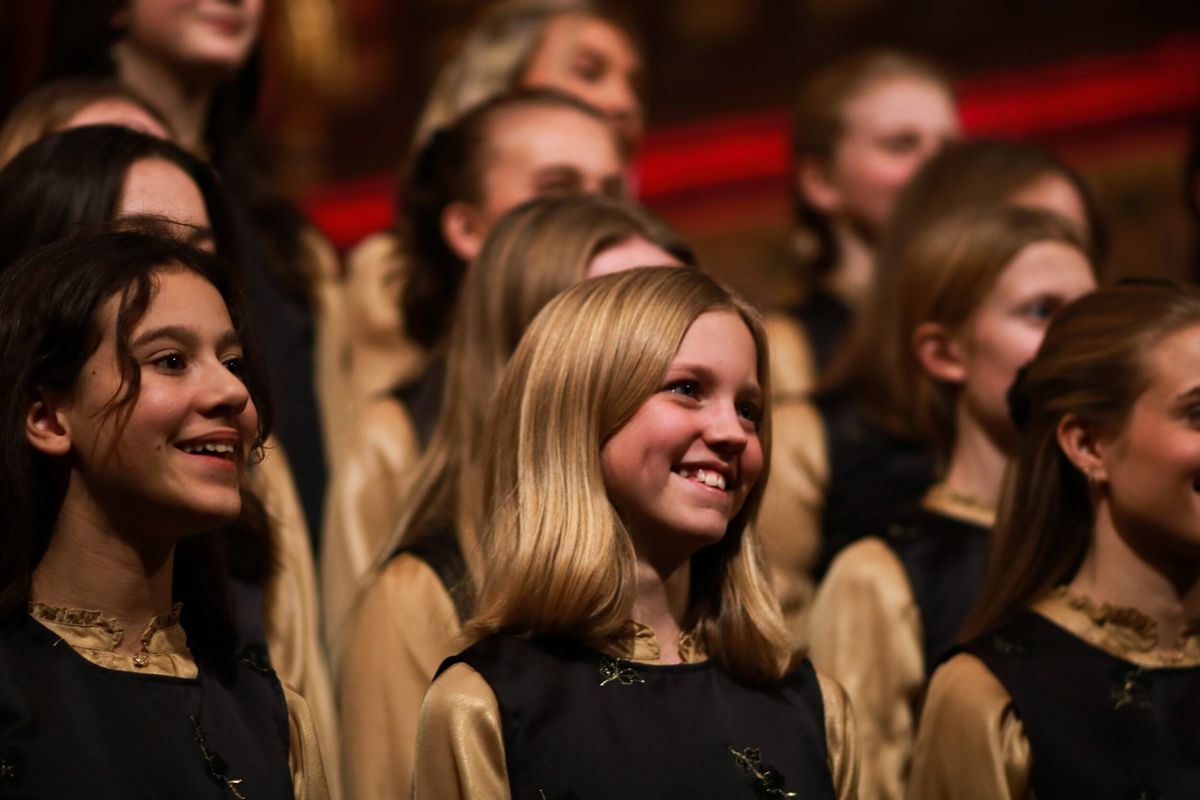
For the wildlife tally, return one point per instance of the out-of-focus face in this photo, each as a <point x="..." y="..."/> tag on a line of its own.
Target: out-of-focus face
<point x="1056" y="194"/>
<point x="682" y="466"/>
<point x="179" y="457"/>
<point x="207" y="35"/>
<point x="631" y="253"/>
<point x="1152" y="466"/>
<point x="546" y="152"/>
<point x="1006" y="330"/>
<point x="158" y="188"/>
<point x="889" y="130"/>
<point x="591" y="59"/>
<point x="117" y="111"/>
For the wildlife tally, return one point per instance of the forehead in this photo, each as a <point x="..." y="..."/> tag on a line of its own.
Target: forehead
<point x="898" y="100"/>
<point x="1046" y="266"/>
<point x="551" y="133"/>
<point x="1173" y="364"/>
<point x="721" y="340"/>
<point x="117" y="111"/>
<point x="568" y="33"/>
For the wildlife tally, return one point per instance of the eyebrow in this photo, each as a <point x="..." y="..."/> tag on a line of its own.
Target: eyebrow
<point x="1190" y="394"/>
<point x="178" y="333"/>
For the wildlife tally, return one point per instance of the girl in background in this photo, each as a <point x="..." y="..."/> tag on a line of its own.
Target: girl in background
<point x="87" y="177"/>
<point x="974" y="294"/>
<point x="863" y="126"/>
<point x="1080" y="672"/>
<point x="134" y="405"/>
<point x="860" y="435"/>
<point x="623" y="594"/>
<point x="512" y="148"/>
<point x="410" y="618"/>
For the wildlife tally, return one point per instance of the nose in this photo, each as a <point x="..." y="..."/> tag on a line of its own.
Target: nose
<point x="621" y="104"/>
<point x="726" y="431"/>
<point x="225" y="394"/>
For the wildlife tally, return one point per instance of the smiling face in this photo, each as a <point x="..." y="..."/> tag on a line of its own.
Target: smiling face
<point x="682" y="466"/>
<point x="889" y="130"/>
<point x="177" y="461"/>
<point x="1152" y="466"/>
<point x="211" y="35"/>
<point x="588" y="58"/>
<point x="1006" y="330"/>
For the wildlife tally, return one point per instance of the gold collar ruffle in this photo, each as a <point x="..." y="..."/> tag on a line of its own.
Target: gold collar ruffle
<point x="164" y="649"/>
<point x="1122" y="631"/>
<point x="641" y="645"/>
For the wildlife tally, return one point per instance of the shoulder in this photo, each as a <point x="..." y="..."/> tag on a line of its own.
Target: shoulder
<point x="792" y="369"/>
<point x="380" y="251"/>
<point x="799" y="436"/>
<point x="965" y="698"/>
<point x="384" y="428"/>
<point x="407" y="588"/>
<point x="322" y="252"/>
<point x="868" y="567"/>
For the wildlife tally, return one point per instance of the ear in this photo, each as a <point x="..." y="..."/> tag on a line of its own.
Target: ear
<point x="813" y="184"/>
<point x="1082" y="448"/>
<point x="46" y="428"/>
<point x="939" y="353"/>
<point x="463" y="229"/>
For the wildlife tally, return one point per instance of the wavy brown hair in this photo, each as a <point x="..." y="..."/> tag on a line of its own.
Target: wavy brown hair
<point x="1092" y="364"/>
<point x="560" y="558"/>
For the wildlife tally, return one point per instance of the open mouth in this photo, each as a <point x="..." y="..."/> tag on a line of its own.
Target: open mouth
<point x="708" y="477"/>
<point x="216" y="450"/>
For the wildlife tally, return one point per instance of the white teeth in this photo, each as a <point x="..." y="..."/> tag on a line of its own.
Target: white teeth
<point x="707" y="477"/>
<point x="209" y="449"/>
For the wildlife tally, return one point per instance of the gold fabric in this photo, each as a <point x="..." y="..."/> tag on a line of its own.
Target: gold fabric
<point x="460" y="741"/>
<point x="793" y="365"/>
<point x="397" y="636"/>
<point x="291" y="610"/>
<point x="865" y="631"/>
<point x="971" y="743"/>
<point x="789" y="522"/>
<point x="381" y="356"/>
<point x="331" y="367"/>
<point x="95" y="637"/>
<point x="363" y="505"/>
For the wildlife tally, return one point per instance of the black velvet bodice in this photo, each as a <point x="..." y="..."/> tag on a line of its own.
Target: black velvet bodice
<point x="945" y="560"/>
<point x="825" y="320"/>
<point x="1098" y="726"/>
<point x="874" y="477"/>
<point x="71" y="729"/>
<point x="579" y="724"/>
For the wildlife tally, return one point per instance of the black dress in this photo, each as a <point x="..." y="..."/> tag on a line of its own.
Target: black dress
<point x="825" y="320"/>
<point x="1098" y="726"/>
<point x="580" y="724"/>
<point x="72" y="729"/>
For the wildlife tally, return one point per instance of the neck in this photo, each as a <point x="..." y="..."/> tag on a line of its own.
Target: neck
<point x="854" y="273"/>
<point x="1122" y="572"/>
<point x="92" y="564"/>
<point x="661" y="602"/>
<point x="185" y="105"/>
<point x="977" y="463"/>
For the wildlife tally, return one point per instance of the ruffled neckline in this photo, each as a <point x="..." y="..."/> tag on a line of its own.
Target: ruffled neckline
<point x="642" y="645"/>
<point x="96" y="637"/>
<point x="1123" y="631"/>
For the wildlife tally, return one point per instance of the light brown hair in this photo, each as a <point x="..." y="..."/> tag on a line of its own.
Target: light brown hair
<point x="1092" y="364"/>
<point x="942" y="275"/>
<point x="560" y="558"/>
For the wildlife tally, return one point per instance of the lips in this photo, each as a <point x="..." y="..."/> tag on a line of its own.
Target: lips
<point x="709" y="477"/>
<point x="220" y="446"/>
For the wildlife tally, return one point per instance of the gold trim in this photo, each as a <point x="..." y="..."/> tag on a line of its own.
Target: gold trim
<point x="944" y="500"/>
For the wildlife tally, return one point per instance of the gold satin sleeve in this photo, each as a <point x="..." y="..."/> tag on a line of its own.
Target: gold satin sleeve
<point x="396" y="638"/>
<point x="362" y="506"/>
<point x="331" y="367"/>
<point x="841" y="738"/>
<point x="789" y="521"/>
<point x="381" y="356"/>
<point x="971" y="743"/>
<point x="291" y="609"/>
<point x="304" y="753"/>
<point x="460" y="741"/>
<point x="460" y="744"/>
<point x="793" y="366"/>
<point x="865" y="631"/>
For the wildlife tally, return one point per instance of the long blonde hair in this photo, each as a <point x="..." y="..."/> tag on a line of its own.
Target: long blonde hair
<point x="1092" y="363"/>
<point x="560" y="559"/>
<point x="491" y="60"/>
<point x="535" y="251"/>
